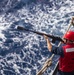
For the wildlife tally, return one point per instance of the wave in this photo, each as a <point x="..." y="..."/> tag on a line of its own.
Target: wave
<point x="24" y="52"/>
<point x="7" y="6"/>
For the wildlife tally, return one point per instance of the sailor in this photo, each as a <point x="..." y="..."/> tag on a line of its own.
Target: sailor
<point x="66" y="52"/>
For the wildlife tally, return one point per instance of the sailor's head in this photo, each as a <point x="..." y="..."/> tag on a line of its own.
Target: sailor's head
<point x="69" y="37"/>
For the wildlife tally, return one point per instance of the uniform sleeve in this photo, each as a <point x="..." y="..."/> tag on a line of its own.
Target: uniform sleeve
<point x="57" y="50"/>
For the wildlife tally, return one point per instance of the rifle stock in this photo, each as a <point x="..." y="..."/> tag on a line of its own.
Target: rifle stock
<point x="54" y="38"/>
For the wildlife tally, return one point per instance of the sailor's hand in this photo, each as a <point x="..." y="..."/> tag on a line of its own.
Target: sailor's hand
<point x="72" y="21"/>
<point x="46" y="37"/>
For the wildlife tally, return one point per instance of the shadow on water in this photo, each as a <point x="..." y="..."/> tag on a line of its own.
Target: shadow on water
<point x="11" y="46"/>
<point x="8" y="6"/>
<point x="20" y="5"/>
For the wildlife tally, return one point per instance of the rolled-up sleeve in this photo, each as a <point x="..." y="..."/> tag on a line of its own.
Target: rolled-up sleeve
<point x="57" y="50"/>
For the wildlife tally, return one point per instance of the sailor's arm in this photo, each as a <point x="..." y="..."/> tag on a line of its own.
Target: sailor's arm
<point x="54" y="49"/>
<point x="49" y="45"/>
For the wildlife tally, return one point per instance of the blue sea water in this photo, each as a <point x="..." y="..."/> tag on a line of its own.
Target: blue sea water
<point x="23" y="52"/>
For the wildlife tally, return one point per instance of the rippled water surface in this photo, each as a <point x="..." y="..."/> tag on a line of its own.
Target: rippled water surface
<point x="23" y="52"/>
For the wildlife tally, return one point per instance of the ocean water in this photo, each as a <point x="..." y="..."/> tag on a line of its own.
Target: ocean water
<point x="23" y="52"/>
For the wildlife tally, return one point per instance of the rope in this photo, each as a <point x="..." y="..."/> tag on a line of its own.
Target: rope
<point x="46" y="65"/>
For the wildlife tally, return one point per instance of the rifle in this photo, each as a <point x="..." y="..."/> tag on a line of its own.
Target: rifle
<point x="54" y="38"/>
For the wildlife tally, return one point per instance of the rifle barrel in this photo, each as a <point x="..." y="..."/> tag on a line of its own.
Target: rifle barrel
<point x="40" y="33"/>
